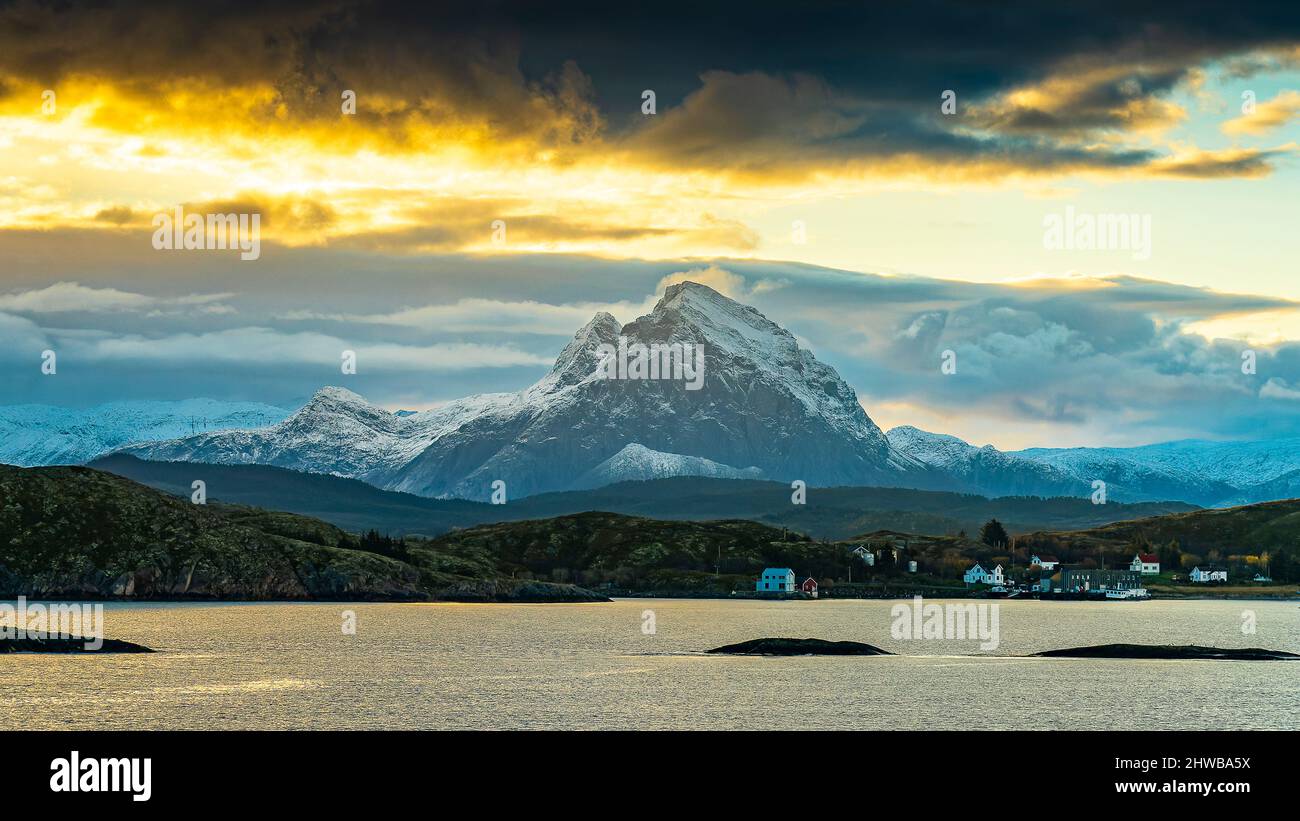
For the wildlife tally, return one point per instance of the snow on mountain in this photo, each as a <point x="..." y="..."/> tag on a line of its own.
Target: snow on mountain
<point x="336" y="432"/>
<point x="46" y="435"/>
<point x="764" y="403"/>
<point x="987" y="469"/>
<point x="1240" y="464"/>
<point x="636" y="462"/>
<point x="1210" y="473"/>
<point x="1202" y="472"/>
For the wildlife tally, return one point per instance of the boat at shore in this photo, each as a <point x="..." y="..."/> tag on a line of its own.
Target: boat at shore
<point x="1135" y="594"/>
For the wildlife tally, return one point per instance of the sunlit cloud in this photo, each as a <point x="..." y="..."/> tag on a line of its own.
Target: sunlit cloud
<point x="1268" y="115"/>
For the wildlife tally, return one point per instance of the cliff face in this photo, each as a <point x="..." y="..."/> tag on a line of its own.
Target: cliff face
<point x="72" y="532"/>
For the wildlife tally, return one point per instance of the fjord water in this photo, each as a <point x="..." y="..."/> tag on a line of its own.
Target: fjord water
<point x="592" y="666"/>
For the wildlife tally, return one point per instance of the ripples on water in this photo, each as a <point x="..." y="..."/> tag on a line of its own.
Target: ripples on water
<point x="589" y="666"/>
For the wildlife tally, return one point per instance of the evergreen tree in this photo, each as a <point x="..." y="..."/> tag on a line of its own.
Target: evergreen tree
<point x="994" y="534"/>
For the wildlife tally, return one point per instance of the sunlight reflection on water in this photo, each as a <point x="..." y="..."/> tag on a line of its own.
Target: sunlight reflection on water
<point x="289" y="666"/>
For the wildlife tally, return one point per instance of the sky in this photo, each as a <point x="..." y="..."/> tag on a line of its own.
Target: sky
<point x="880" y="179"/>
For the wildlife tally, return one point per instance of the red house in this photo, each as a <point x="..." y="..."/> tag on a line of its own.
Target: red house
<point x="809" y="586"/>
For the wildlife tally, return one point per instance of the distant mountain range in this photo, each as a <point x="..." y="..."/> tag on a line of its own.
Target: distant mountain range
<point x="765" y="409"/>
<point x="1204" y="473"/>
<point x="829" y="513"/>
<point x="32" y="435"/>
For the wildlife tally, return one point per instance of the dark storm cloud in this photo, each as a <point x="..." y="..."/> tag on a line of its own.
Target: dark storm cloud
<point x="739" y="87"/>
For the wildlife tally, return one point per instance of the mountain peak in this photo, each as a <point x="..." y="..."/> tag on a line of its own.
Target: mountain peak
<point x="579" y="358"/>
<point x="602" y="325"/>
<point x="333" y="394"/>
<point x="688" y="289"/>
<point x="691" y="312"/>
<point x="695" y="297"/>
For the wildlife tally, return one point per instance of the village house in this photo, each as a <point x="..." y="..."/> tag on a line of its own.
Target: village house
<point x="1045" y="562"/>
<point x="1209" y="574"/>
<point x="1148" y="564"/>
<point x="978" y="575"/>
<point x="809" y="586"/>
<point x="864" y="553"/>
<point x="776" y="580"/>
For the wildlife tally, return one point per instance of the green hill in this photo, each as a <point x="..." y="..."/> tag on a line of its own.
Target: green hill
<point x="79" y="532"/>
<point x="1184" y="539"/>
<point x="72" y="532"/>
<point x="641" y="555"/>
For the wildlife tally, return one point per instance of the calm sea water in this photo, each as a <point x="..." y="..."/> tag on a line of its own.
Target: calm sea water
<point x="562" y="666"/>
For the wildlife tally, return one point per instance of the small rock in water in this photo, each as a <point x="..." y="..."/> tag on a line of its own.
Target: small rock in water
<point x="32" y="644"/>
<point x="800" y="647"/>
<point x="1170" y="651"/>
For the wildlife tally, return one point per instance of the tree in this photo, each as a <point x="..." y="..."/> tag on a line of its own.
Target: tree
<point x="994" y="534"/>
<point x="1169" y="554"/>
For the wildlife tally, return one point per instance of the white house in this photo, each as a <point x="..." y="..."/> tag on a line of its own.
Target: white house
<point x="978" y="575"/>
<point x="865" y="555"/>
<point x="1045" y="562"/>
<point x="1148" y="564"/>
<point x="1209" y="574"/>
<point x="776" y="580"/>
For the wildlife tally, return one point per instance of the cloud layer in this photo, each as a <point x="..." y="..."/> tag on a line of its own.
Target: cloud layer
<point x="1113" y="360"/>
<point x="468" y="114"/>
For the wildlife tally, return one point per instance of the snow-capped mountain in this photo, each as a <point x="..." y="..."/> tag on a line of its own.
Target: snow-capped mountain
<point x="46" y="435"/>
<point x="764" y="403"/>
<point x="637" y="463"/>
<point x="764" y="408"/>
<point x="1212" y="474"/>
